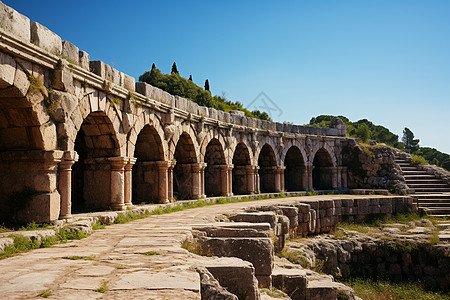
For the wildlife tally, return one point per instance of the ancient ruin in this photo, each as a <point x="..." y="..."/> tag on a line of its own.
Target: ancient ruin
<point x="75" y="132"/>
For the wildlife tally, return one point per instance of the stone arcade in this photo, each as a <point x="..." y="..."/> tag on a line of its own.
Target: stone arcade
<point x="78" y="132"/>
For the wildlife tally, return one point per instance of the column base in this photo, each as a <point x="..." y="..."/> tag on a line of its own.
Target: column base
<point x="118" y="207"/>
<point x="65" y="217"/>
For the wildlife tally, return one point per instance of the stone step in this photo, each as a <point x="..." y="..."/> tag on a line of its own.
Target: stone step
<point x="438" y="211"/>
<point x="420" y="176"/>
<point x="426" y="201"/>
<point x="409" y="168"/>
<point x="427" y="185"/>
<point x="415" y="172"/>
<point x="423" y="181"/>
<point x="432" y="190"/>
<point x="434" y="204"/>
<point x="434" y="196"/>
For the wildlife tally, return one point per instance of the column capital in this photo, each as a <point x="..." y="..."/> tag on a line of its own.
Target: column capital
<point x="118" y="163"/>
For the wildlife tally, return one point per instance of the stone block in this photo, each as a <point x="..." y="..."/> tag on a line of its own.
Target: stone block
<point x="258" y="251"/>
<point x="235" y="229"/>
<point x="210" y="288"/>
<point x="236" y="276"/>
<point x="70" y="52"/>
<point x="45" y="38"/>
<point x="256" y="217"/>
<point x="15" y="23"/>
<point x="5" y="242"/>
<point x="7" y="70"/>
<point x="98" y="67"/>
<point x="291" y="281"/>
<point x="303" y="207"/>
<point x="43" y="208"/>
<point x="129" y="82"/>
<point x="83" y="59"/>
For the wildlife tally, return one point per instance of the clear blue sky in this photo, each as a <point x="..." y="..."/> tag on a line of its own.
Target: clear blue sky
<point x="384" y="60"/>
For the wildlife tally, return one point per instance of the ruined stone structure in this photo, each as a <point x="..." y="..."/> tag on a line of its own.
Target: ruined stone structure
<point x="78" y="132"/>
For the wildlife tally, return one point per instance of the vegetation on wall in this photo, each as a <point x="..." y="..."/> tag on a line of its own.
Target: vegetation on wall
<point x="175" y="84"/>
<point x="381" y="134"/>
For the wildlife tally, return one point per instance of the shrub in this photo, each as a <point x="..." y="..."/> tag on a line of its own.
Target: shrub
<point x="418" y="160"/>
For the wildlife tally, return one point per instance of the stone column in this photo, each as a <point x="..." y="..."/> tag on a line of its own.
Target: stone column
<point x="309" y="174"/>
<point x="344" y="178"/>
<point x="279" y="178"/>
<point x="250" y="176"/>
<point x="198" y="180"/>
<point x="65" y="184"/>
<point x="304" y="179"/>
<point x="163" y="181"/>
<point x="334" y="177"/>
<point x="117" y="182"/>
<point x="224" y="180"/>
<point x="128" y="181"/>
<point x="257" y="182"/>
<point x="339" y="178"/>
<point x="202" y="180"/>
<point x="171" y="165"/>
<point x="230" y="180"/>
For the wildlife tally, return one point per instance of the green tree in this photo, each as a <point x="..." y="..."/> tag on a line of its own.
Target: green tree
<point x="411" y="144"/>
<point x="153" y="66"/>
<point x="206" y="85"/>
<point x="363" y="132"/>
<point x="190" y="77"/>
<point x="174" y="69"/>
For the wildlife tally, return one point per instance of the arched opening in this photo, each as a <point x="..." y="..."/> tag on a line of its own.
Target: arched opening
<point x="295" y="170"/>
<point x="215" y="162"/>
<point x="267" y="164"/>
<point x="322" y="174"/>
<point x="22" y="161"/>
<point x="148" y="152"/>
<point x="91" y="175"/>
<point x="242" y="173"/>
<point x="183" y="181"/>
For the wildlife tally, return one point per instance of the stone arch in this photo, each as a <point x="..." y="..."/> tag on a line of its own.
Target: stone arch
<point x="95" y="102"/>
<point x="149" y="154"/>
<point x="28" y="159"/>
<point x="212" y="135"/>
<point x="322" y="170"/>
<point x="96" y="143"/>
<point x="182" y="129"/>
<point x="322" y="145"/>
<point x="267" y="163"/>
<point x="294" y="174"/>
<point x="214" y="157"/>
<point x="144" y="119"/>
<point x="243" y="171"/>
<point x="267" y="140"/>
<point x="185" y="186"/>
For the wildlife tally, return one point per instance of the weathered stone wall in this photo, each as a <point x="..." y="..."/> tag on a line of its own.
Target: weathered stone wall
<point x="53" y="98"/>
<point x="368" y="257"/>
<point x="373" y="167"/>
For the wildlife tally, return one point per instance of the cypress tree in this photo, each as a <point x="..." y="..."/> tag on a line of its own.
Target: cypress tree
<point x="153" y="66"/>
<point x="206" y="85"/>
<point x="190" y="77"/>
<point x="174" y="68"/>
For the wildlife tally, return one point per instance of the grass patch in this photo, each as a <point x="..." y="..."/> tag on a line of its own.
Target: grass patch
<point x="76" y="257"/>
<point x="45" y="294"/>
<point x="65" y="234"/>
<point x="151" y="253"/>
<point x="192" y="246"/>
<point x="294" y="257"/>
<point x="383" y="290"/>
<point x="34" y="226"/>
<point x="103" y="288"/>
<point x="98" y="225"/>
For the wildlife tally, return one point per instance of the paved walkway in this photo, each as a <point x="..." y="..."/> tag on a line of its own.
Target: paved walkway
<point x="113" y="258"/>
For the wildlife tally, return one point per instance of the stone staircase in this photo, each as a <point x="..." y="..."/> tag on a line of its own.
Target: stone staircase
<point x="430" y="192"/>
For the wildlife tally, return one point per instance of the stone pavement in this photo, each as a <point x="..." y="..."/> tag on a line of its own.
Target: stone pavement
<point x="113" y="260"/>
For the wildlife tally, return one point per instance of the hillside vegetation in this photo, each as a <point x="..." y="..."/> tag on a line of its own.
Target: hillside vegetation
<point x="175" y="84"/>
<point x="365" y="130"/>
